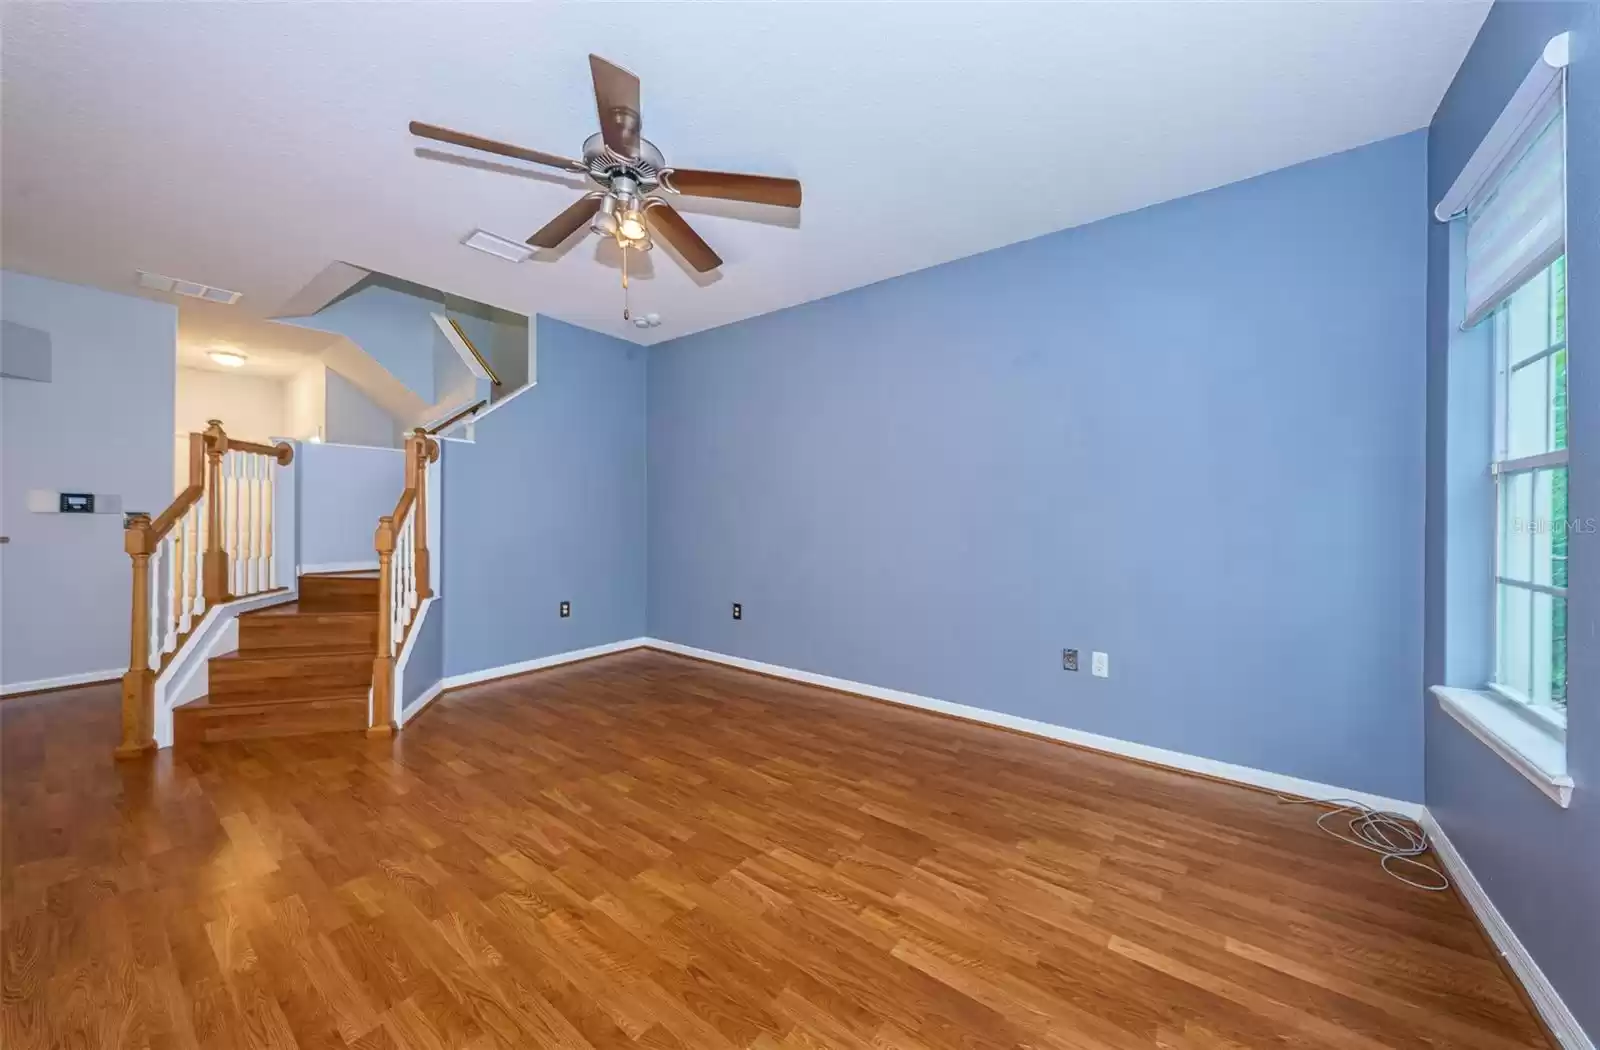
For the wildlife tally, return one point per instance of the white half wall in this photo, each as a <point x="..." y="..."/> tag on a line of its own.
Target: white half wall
<point x="343" y="491"/>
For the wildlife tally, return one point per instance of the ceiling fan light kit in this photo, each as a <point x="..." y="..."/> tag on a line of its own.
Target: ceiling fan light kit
<point x="633" y="175"/>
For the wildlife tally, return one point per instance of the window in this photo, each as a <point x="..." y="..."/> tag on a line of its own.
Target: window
<point x="1509" y="281"/>
<point x="1530" y="472"/>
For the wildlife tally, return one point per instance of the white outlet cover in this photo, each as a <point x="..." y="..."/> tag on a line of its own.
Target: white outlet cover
<point x="1101" y="666"/>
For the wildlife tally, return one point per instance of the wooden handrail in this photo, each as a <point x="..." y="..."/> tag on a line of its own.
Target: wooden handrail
<point x="413" y="502"/>
<point x="470" y="345"/>
<point x="403" y="504"/>
<point x="143" y="538"/>
<point x="458" y="417"/>
<point x="427" y="452"/>
<point x="191" y="493"/>
<point x="283" y="452"/>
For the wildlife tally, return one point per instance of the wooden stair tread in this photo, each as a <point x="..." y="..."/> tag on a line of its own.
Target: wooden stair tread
<point x="300" y="653"/>
<point x="301" y="667"/>
<point x="294" y="630"/>
<point x="294" y="610"/>
<point x="203" y="721"/>
<point x="207" y="703"/>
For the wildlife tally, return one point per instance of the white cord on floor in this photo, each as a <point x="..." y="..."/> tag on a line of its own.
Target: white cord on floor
<point x="1396" y="839"/>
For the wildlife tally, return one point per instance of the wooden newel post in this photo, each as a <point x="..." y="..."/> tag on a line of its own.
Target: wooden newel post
<point x="214" y="564"/>
<point x="139" y="683"/>
<point x="426" y="451"/>
<point x="381" y="719"/>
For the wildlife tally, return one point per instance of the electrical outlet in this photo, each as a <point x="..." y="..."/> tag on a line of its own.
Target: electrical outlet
<point x="566" y="609"/>
<point x="1069" y="659"/>
<point x="738" y="611"/>
<point x="1100" y="666"/>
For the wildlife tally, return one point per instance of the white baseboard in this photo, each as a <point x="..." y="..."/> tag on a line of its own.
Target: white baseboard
<point x="1544" y="995"/>
<point x="1260" y="778"/>
<point x="489" y="674"/>
<point x="340" y="566"/>
<point x="429" y="695"/>
<point x="66" y="680"/>
<point x="1110" y="745"/>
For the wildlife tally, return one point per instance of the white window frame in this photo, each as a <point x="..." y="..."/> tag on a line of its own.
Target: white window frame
<point x="1547" y="717"/>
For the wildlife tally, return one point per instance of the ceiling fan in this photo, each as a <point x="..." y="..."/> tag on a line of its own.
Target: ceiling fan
<point x="631" y="173"/>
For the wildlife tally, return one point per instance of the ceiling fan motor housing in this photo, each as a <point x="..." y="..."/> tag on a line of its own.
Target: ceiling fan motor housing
<point x="606" y="166"/>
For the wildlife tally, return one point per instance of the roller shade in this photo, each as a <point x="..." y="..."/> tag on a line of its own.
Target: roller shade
<point x="1519" y="225"/>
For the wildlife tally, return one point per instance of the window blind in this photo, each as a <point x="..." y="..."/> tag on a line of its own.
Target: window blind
<point x="1519" y="225"/>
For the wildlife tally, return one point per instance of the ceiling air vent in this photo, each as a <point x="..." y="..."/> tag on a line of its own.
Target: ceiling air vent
<point x="193" y="289"/>
<point x="499" y="247"/>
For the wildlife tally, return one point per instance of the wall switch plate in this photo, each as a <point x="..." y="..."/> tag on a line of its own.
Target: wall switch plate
<point x="1069" y="659"/>
<point x="738" y="611"/>
<point x="1100" y="665"/>
<point x="566" y="609"/>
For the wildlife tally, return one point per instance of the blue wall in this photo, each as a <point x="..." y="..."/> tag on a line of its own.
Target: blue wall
<point x="1539" y="863"/>
<point x="343" y="491"/>
<point x="548" y="506"/>
<point x="102" y="424"/>
<point x="425" y="666"/>
<point x="1190" y="436"/>
<point x="393" y="323"/>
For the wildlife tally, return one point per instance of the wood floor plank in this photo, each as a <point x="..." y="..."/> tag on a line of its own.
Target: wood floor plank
<point x="645" y="851"/>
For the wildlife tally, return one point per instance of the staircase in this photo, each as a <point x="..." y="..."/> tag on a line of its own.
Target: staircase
<point x="204" y="572"/>
<point x="302" y="667"/>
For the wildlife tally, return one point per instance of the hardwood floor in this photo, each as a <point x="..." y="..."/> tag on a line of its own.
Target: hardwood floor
<point x="645" y="851"/>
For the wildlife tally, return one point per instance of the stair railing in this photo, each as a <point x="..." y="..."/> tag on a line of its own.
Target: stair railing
<point x="403" y="574"/>
<point x="213" y="544"/>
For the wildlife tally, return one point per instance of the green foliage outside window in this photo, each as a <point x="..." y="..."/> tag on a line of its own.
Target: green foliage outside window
<point x="1558" y="662"/>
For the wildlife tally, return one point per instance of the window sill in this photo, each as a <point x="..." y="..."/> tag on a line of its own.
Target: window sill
<point x="1535" y="752"/>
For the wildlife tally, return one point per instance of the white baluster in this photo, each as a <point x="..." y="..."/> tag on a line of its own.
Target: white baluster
<point x="235" y="521"/>
<point x="411" y="563"/>
<point x="157" y="589"/>
<point x="270" y="539"/>
<point x="171" y="568"/>
<point x="263" y="523"/>
<point x="225" y="517"/>
<point x="397" y="596"/>
<point x="246" y="524"/>
<point x="255" y="523"/>
<point x="400" y="588"/>
<point x="202" y="531"/>
<point x="180" y="577"/>
<point x="403" y="556"/>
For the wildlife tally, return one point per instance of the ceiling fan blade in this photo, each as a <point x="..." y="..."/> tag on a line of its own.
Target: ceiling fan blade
<point x="732" y="186"/>
<point x="568" y="222"/>
<point x="666" y="221"/>
<point x="616" y="96"/>
<point x="461" y="138"/>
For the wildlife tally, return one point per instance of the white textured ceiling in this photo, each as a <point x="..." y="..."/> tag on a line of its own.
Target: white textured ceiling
<point x="250" y="145"/>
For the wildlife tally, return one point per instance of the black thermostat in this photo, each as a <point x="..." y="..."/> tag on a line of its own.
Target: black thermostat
<point x="77" y="503"/>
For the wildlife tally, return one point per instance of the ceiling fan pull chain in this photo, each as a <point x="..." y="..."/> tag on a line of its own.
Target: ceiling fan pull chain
<point x="625" y="316"/>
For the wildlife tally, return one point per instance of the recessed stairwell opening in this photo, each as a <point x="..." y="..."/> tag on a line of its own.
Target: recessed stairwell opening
<point x="271" y="381"/>
<point x="428" y="357"/>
